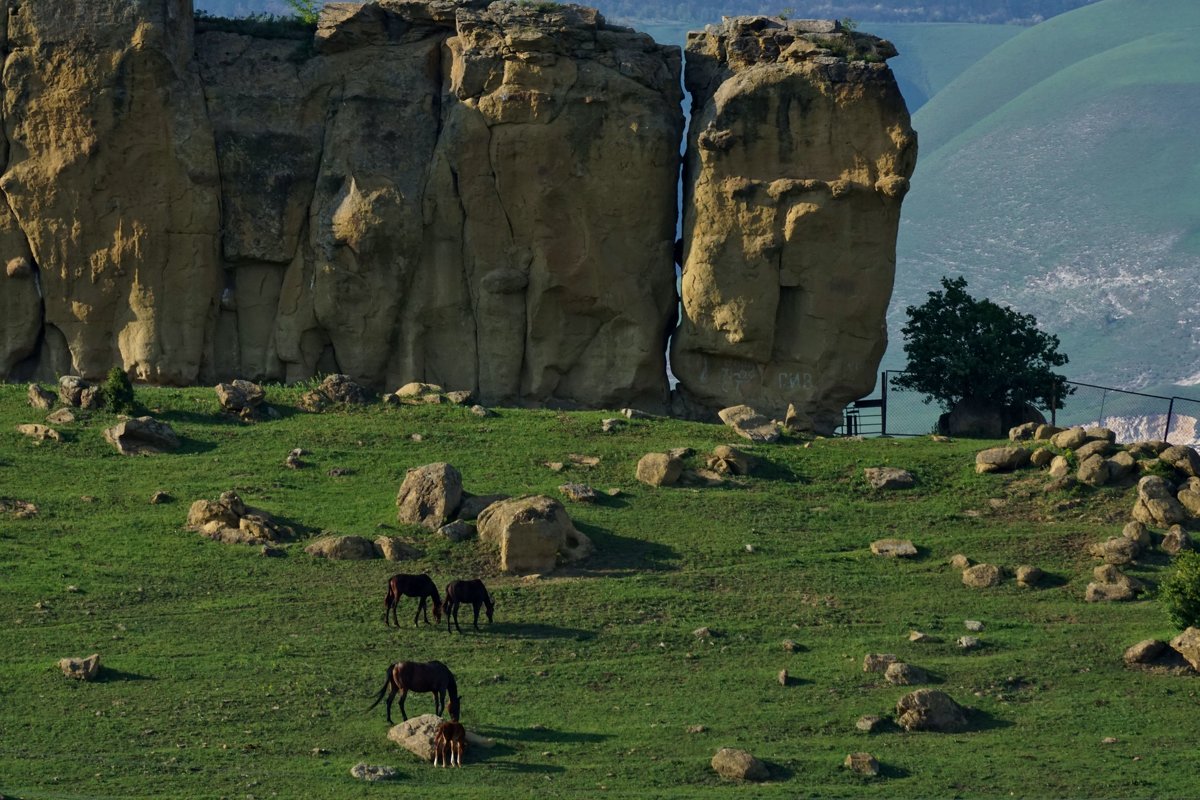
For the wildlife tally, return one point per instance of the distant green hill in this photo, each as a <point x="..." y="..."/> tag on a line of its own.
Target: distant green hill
<point x="1058" y="175"/>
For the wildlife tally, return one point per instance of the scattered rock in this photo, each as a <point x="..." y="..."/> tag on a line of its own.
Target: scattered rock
<point x="1137" y="532"/>
<point x="160" y="497"/>
<point x="696" y="729"/>
<point x="366" y="772"/>
<point x="702" y="633"/>
<point x="230" y="521"/>
<point x="473" y="505"/>
<point x="416" y="735"/>
<point x="790" y="646"/>
<point x="930" y="710"/>
<point x="611" y="424"/>
<point x="531" y="532"/>
<point x="142" y="436"/>
<point x="585" y="462"/>
<point x="579" y="492"/>
<point x="429" y="495"/>
<point x="1001" y="459"/>
<point x="78" y="393"/>
<point x="293" y="461"/>
<point x="889" y="478"/>
<point x="339" y="472"/>
<point x="1029" y="576"/>
<point x="749" y="424"/>
<point x="967" y="642"/>
<point x="782" y="677"/>
<point x="457" y="531"/>
<point x="1069" y="439"/>
<point x="862" y="763"/>
<point x="393" y="548"/>
<point x="899" y="673"/>
<point x="1111" y="585"/>
<point x="982" y="576"/>
<point x="1155" y="505"/>
<point x="973" y="625"/>
<point x="730" y="461"/>
<point x="1176" y="540"/>
<point x="343" y="548"/>
<point x="739" y="765"/>
<point x="17" y="509"/>
<point x="83" y="669"/>
<point x="240" y="397"/>
<point x="1117" y="550"/>
<point x="919" y="636"/>
<point x="633" y="413"/>
<point x="894" y="548"/>
<point x="63" y="416"/>
<point x="1187" y="644"/>
<point x="460" y="397"/>
<point x="659" y="469"/>
<point x="39" y="433"/>
<point x="1144" y="652"/>
<point x="482" y="412"/>
<point x="39" y="398"/>
<point x="878" y="662"/>
<point x="869" y="723"/>
<point x="959" y="561"/>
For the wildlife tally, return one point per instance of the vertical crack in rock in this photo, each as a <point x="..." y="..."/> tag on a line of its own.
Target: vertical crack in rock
<point x="798" y="157"/>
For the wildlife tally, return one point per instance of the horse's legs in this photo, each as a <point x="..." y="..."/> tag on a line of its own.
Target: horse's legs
<point x="403" y="714"/>
<point x="439" y="701"/>
<point x="391" y="697"/>
<point x="457" y="605"/>
<point x="448" y="609"/>
<point x="475" y="606"/>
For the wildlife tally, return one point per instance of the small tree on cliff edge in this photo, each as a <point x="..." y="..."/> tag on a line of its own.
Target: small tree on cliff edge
<point x="963" y="350"/>
<point x="307" y="11"/>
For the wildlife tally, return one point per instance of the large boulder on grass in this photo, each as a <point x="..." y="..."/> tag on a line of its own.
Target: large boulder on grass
<point x="142" y="436"/>
<point x="889" y="478"/>
<point x="982" y="576"/>
<point x="344" y="548"/>
<point x="749" y="424"/>
<point x="81" y="669"/>
<point x="1111" y="585"/>
<point x="739" y="765"/>
<point x="1001" y="459"/>
<point x="239" y="396"/>
<point x="429" y="495"/>
<point x="531" y="532"/>
<point x="1156" y="506"/>
<point x="39" y="398"/>
<point x="1187" y="644"/>
<point x="930" y="710"/>
<point x="416" y="735"/>
<point x="659" y="469"/>
<point x="1184" y="459"/>
<point x="75" y="391"/>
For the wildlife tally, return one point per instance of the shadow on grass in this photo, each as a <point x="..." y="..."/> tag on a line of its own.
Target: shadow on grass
<point x="769" y="470"/>
<point x="110" y="675"/>
<point x="543" y="735"/>
<point x="535" y="631"/>
<point x="778" y="772"/>
<point x="623" y="556"/>
<point x="892" y="771"/>
<point x="980" y="720"/>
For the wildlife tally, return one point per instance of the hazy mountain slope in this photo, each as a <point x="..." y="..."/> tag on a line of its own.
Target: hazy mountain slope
<point x="932" y="55"/>
<point x="1057" y="174"/>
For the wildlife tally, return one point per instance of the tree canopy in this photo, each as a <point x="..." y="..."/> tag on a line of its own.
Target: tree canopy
<point x="962" y="349"/>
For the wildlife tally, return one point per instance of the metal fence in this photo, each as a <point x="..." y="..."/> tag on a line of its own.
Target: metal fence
<point x="1132" y="415"/>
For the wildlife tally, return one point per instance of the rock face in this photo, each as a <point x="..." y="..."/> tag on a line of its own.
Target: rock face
<point x="789" y="228"/>
<point x="475" y="195"/>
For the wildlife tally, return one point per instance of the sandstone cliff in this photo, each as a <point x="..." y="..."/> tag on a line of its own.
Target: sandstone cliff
<point x="479" y="195"/>
<point x="799" y="154"/>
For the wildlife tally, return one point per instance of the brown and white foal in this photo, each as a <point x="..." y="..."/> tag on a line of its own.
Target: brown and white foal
<point x="449" y="743"/>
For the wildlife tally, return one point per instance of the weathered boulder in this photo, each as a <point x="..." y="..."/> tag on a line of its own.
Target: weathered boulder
<point x="393" y="548"/>
<point x="429" y="495"/>
<point x="1137" y="532"/>
<point x="1144" y="652"/>
<point x="982" y="576"/>
<point x="1120" y="466"/>
<point x="749" y="424"/>
<point x="78" y="393"/>
<point x="659" y="469"/>
<point x="894" y="548"/>
<point x="730" y="460"/>
<point x="1042" y="457"/>
<point x="889" y="478"/>
<point x="531" y="532"/>
<point x="878" y="662"/>
<point x="63" y="416"/>
<point x="239" y="396"/>
<point x="39" y="398"/>
<point x="1023" y="432"/>
<point x="1156" y="506"/>
<point x="231" y="521"/>
<point x="1069" y="439"/>
<point x="1176" y="540"/>
<point x="862" y="763"/>
<point x="776" y="205"/>
<point x="1100" y="434"/>
<point x="472" y="505"/>
<point x="1117" y="550"/>
<point x="579" y="492"/>
<point x="457" y="531"/>
<point x="1183" y="459"/>
<point x="142" y="436"/>
<point x="739" y="765"/>
<point x="1093" y="447"/>
<point x="1093" y="470"/>
<point x="1060" y="467"/>
<point x="1045" y="432"/>
<point x="930" y="710"/>
<point x="336" y="389"/>
<point x="371" y="773"/>
<point x="1029" y="576"/>
<point x="39" y="433"/>
<point x="1111" y="585"/>
<point x="959" y="561"/>
<point x="902" y="674"/>
<point x="343" y="548"/>
<point x="1190" y="500"/>
<point x="1187" y="644"/>
<point x="82" y="669"/>
<point x="1001" y="459"/>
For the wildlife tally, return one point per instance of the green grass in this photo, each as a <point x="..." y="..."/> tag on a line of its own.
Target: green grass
<point x="224" y="670"/>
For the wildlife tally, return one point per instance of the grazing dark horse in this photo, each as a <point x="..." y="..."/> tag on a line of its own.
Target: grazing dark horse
<point x="419" y="586"/>
<point x="473" y="592"/>
<point x="410" y="676"/>
<point x="449" y="743"/>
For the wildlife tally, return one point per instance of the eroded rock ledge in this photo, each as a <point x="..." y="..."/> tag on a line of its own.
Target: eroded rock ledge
<point x="473" y="194"/>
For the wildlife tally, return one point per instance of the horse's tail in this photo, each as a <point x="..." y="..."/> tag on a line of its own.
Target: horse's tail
<point x="387" y="682"/>
<point x="389" y="599"/>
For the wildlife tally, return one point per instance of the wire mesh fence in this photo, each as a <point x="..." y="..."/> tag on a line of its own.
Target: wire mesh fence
<point x="1133" y="416"/>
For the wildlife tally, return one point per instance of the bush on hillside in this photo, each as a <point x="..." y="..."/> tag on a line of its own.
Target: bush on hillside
<point x="118" y="392"/>
<point x="1180" y="591"/>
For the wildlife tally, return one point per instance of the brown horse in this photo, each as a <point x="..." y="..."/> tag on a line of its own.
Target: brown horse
<point x="419" y="586"/>
<point x="450" y="740"/>
<point x="473" y="592"/>
<point x="434" y="677"/>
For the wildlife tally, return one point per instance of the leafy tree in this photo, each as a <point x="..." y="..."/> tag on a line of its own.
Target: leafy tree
<point x="118" y="392"/>
<point x="963" y="350"/>
<point x="307" y="11"/>
<point x="1180" y="591"/>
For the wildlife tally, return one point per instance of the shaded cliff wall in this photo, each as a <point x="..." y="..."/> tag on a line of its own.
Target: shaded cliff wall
<point x="799" y="155"/>
<point x="481" y="195"/>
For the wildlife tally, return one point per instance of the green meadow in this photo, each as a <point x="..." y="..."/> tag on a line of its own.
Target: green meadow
<point x="227" y="674"/>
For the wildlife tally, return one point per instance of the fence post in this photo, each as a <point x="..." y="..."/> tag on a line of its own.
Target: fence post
<point x="883" y="391"/>
<point x="1167" y="427"/>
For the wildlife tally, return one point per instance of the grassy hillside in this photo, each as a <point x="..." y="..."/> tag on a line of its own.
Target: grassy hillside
<point x="228" y="674"/>
<point x="1056" y="174"/>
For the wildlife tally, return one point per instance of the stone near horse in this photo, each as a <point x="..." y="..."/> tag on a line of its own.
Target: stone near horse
<point x="1029" y="576"/>
<point x="366" y="772"/>
<point x="343" y="548"/>
<point x="457" y="531"/>
<point x="862" y="764"/>
<point x="40" y="433"/>
<point x="739" y="765"/>
<point x="1069" y="439"/>
<point x="1001" y="459"/>
<point x="1176" y="540"/>
<point x="1156" y="506"/>
<point x="416" y="735"/>
<point x="899" y="673"/>
<point x="894" y="548"/>
<point x="749" y="424"/>
<point x="930" y="710"/>
<point x="1187" y="644"/>
<point x="82" y="669"/>
<point x="889" y="478"/>
<point x="878" y="662"/>
<point x="429" y="495"/>
<point x="39" y="398"/>
<point x="659" y="469"/>
<point x="531" y="533"/>
<point x="393" y="548"/>
<point x="142" y="436"/>
<point x="982" y="576"/>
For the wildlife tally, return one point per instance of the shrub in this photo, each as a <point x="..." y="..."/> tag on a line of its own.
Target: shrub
<point x="118" y="392"/>
<point x="1180" y="591"/>
<point x="307" y="11"/>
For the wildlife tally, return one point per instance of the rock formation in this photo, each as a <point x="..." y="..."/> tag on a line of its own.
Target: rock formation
<point x="480" y="195"/>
